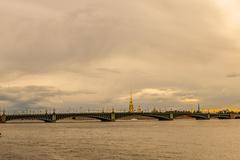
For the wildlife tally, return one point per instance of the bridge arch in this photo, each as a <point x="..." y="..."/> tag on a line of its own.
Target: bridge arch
<point x="136" y="115"/>
<point x="44" y="118"/>
<point x="101" y="117"/>
<point x="199" y="116"/>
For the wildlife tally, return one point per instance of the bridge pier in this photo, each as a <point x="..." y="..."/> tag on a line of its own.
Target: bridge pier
<point x="109" y="117"/>
<point x="171" y="116"/>
<point x="208" y="116"/>
<point x="53" y="118"/>
<point x="166" y="117"/>
<point x="50" y="118"/>
<point x="3" y="118"/>
<point x="113" y="118"/>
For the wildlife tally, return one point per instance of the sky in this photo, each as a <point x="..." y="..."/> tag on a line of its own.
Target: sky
<point x="88" y="55"/>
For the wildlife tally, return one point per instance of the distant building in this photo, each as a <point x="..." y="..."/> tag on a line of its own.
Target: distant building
<point x="154" y="110"/>
<point x="198" y="108"/>
<point x="139" y="109"/>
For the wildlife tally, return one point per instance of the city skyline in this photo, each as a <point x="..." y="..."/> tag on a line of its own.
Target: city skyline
<point x="93" y="53"/>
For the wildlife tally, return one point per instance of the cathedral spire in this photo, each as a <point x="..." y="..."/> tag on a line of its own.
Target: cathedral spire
<point x="131" y="107"/>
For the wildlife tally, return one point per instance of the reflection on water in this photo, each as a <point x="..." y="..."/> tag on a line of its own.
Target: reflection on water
<point x="125" y="140"/>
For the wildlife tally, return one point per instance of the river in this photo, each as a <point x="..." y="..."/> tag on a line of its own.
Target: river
<point x="121" y="140"/>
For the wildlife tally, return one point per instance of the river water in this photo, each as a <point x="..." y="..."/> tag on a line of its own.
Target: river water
<point x="122" y="140"/>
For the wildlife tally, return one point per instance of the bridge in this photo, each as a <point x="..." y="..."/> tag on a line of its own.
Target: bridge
<point x="113" y="116"/>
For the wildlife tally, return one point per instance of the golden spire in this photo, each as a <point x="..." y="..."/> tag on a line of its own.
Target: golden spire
<point x="131" y="107"/>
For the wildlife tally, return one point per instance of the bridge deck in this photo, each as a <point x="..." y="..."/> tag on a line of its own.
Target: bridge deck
<point x="114" y="116"/>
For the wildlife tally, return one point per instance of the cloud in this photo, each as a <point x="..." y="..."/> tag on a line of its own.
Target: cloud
<point x="165" y="51"/>
<point x="108" y="70"/>
<point x="155" y="96"/>
<point x="156" y="92"/>
<point x="233" y="75"/>
<point x="190" y="100"/>
<point x="99" y="30"/>
<point x="35" y="97"/>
